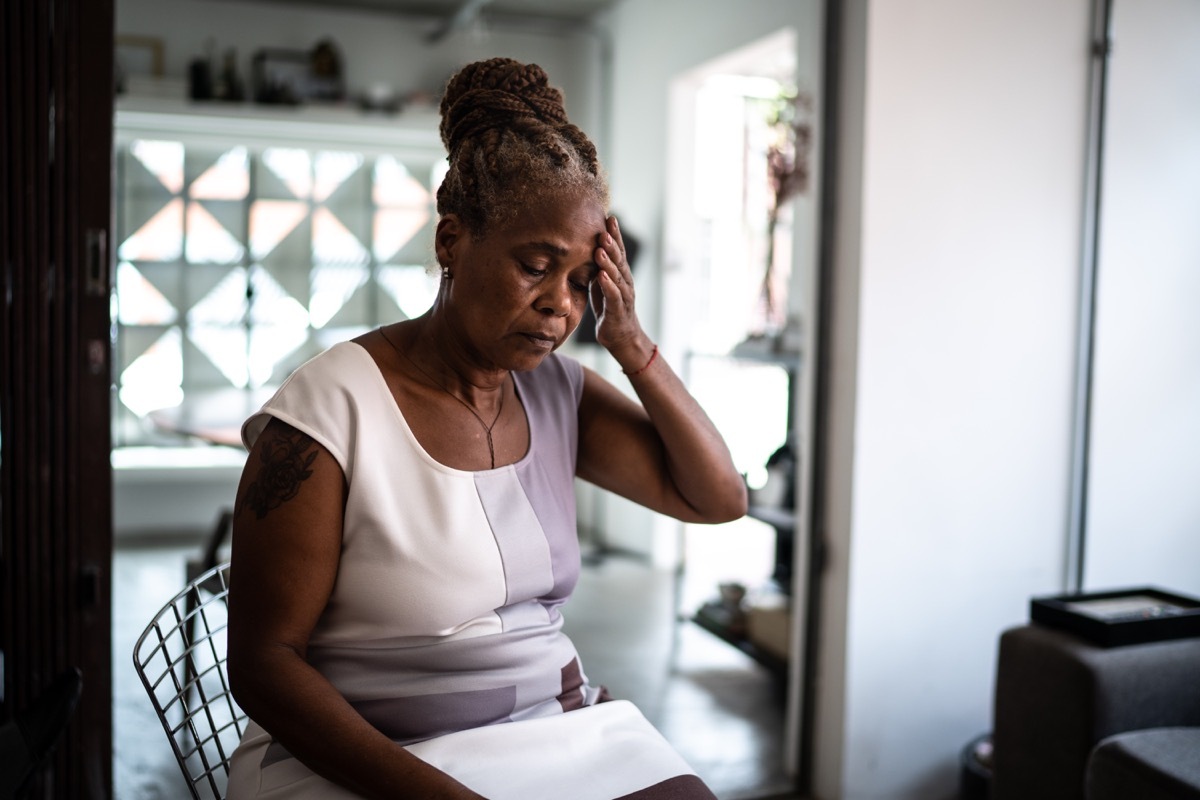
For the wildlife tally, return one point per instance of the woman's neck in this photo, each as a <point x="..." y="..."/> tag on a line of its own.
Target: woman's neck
<point x="442" y="353"/>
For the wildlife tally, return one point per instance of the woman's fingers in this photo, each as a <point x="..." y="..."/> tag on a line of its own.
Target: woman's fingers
<point x="613" y="292"/>
<point x="615" y="285"/>
<point x="613" y="246"/>
<point x="607" y="301"/>
<point x="610" y="257"/>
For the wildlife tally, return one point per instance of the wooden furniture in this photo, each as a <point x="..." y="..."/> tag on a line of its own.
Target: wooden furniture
<point x="213" y="416"/>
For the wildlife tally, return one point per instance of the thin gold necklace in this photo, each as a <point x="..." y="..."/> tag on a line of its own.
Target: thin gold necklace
<point x="487" y="429"/>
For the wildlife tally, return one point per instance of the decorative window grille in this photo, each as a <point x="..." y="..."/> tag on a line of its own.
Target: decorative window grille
<point x="236" y="264"/>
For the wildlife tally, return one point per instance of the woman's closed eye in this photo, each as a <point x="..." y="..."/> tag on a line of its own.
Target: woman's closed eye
<point x="536" y="272"/>
<point x="578" y="284"/>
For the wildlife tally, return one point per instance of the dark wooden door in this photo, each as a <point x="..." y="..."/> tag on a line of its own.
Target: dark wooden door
<point x="55" y="474"/>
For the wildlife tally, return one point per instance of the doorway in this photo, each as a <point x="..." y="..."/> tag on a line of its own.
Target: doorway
<point x="740" y="256"/>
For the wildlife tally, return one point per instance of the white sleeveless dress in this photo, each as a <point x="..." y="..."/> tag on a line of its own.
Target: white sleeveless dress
<point x="444" y="628"/>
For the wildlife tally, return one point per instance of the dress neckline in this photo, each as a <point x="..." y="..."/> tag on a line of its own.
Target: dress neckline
<point x="382" y="384"/>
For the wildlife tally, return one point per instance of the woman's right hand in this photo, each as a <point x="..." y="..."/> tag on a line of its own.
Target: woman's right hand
<point x="613" y="300"/>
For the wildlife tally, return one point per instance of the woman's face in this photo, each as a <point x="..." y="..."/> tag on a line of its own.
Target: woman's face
<point x="518" y="292"/>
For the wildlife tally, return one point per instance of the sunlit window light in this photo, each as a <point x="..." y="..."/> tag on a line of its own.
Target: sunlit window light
<point x="160" y="239"/>
<point x="396" y="227"/>
<point x="438" y="174"/>
<point x="228" y="179"/>
<point x="140" y="303"/>
<point x="269" y="345"/>
<point x="272" y="305"/>
<point x="155" y="378"/>
<point x="226" y="348"/>
<point x="293" y="167"/>
<point x="732" y="201"/>
<point x="208" y="241"/>
<point x="395" y="185"/>
<point x="270" y="223"/>
<point x="412" y="287"/>
<point x="331" y="170"/>
<point x="164" y="160"/>
<point x="224" y="305"/>
<point x="332" y="286"/>
<point x="333" y="243"/>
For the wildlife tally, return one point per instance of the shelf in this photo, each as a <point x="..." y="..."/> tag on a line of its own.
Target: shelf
<point x="717" y="620"/>
<point x="787" y="361"/>
<point x="783" y="519"/>
<point x="213" y="123"/>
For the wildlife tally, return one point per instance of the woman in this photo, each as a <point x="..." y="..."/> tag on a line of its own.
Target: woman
<point x="405" y="526"/>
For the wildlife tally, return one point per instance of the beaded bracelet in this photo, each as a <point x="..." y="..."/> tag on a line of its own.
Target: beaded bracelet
<point x="653" y="355"/>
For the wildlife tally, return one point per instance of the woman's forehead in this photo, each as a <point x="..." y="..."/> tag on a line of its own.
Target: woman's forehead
<point x="559" y="217"/>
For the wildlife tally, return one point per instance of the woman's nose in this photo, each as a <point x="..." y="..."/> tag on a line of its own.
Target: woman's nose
<point x="556" y="299"/>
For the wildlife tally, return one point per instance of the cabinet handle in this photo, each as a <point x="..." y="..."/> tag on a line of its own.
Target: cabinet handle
<point x="96" y="263"/>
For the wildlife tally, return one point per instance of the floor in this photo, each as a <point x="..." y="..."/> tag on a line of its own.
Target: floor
<point x="721" y="710"/>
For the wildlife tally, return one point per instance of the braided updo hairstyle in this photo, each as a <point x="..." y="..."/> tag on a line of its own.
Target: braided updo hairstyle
<point x="508" y="138"/>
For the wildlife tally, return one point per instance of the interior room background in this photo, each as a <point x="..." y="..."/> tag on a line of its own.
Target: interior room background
<point x="956" y="214"/>
<point x="958" y="258"/>
<point x="216" y="206"/>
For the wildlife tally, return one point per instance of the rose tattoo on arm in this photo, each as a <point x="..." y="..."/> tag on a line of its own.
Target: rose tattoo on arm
<point x="285" y="464"/>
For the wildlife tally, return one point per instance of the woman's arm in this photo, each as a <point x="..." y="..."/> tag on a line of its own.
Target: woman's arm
<point x="288" y="536"/>
<point x="664" y="454"/>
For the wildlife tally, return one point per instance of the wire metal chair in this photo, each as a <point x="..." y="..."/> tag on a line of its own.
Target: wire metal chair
<point x="180" y="658"/>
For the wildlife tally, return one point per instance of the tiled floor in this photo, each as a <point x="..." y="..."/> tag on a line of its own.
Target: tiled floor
<point x="722" y="711"/>
<point x="143" y="580"/>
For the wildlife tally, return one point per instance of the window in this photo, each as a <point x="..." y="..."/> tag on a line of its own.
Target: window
<point x="235" y="265"/>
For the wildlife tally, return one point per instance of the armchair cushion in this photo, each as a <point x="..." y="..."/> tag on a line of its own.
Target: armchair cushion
<point x="1155" y="764"/>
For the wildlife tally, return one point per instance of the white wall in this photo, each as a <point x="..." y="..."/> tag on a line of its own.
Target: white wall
<point x="1143" y="505"/>
<point x="957" y="259"/>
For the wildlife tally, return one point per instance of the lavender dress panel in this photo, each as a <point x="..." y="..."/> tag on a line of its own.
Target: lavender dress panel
<point x="524" y="551"/>
<point x="549" y="479"/>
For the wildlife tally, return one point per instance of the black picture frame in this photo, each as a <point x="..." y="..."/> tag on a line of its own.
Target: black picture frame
<point x="1121" y="617"/>
<point x="136" y="56"/>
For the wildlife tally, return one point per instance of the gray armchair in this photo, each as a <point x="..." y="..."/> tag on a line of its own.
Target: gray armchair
<point x="1073" y="720"/>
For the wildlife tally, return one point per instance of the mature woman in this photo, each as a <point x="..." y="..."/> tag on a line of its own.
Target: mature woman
<point x="405" y="526"/>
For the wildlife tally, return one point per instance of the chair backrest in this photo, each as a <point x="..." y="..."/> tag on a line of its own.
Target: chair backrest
<point x="180" y="658"/>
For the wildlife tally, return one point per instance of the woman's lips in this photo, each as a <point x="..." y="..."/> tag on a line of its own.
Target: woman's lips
<point x="542" y="340"/>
